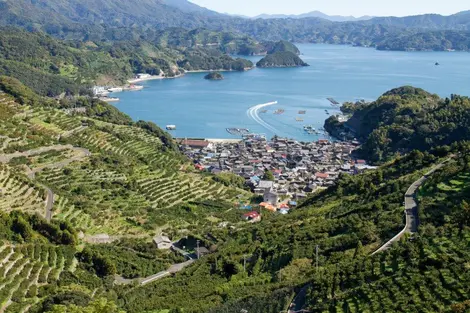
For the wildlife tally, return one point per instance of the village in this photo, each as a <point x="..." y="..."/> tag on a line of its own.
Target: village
<point x="281" y="171"/>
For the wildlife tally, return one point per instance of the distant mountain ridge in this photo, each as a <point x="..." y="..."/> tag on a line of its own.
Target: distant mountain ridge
<point x="318" y="14"/>
<point x="116" y="20"/>
<point x="189" y="7"/>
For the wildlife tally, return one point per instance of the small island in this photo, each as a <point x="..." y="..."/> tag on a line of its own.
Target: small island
<point x="214" y="76"/>
<point x="281" y="59"/>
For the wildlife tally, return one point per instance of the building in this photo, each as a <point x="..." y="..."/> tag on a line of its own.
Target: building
<point x="196" y="144"/>
<point x="271" y="197"/>
<point x="252" y="217"/>
<point x="163" y="242"/>
<point x="264" y="186"/>
<point x="100" y="91"/>
<point x="143" y="76"/>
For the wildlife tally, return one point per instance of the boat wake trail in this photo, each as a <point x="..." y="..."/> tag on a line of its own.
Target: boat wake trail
<point x="253" y="113"/>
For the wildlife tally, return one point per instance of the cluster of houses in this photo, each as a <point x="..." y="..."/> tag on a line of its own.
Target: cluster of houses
<point x="279" y="169"/>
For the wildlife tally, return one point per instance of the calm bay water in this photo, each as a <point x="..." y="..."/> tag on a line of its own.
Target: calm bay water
<point x="204" y="109"/>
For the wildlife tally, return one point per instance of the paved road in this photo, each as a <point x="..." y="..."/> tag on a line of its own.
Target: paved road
<point x="411" y="226"/>
<point x="299" y="301"/>
<point x="175" y="268"/>
<point x="83" y="153"/>
<point x="411" y="208"/>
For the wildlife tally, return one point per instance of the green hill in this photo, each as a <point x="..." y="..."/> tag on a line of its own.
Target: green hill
<point x="52" y="67"/>
<point x="404" y="119"/>
<point x="281" y="59"/>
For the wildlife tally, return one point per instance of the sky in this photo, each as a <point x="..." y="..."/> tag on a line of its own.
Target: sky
<point x="337" y="7"/>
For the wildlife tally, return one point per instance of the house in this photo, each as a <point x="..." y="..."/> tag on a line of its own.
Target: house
<point x="321" y="175"/>
<point x="264" y="186"/>
<point x="271" y="197"/>
<point x="162" y="242"/>
<point x="142" y="76"/>
<point x="270" y="208"/>
<point x="292" y="203"/>
<point x="196" y="144"/>
<point x="252" y="217"/>
<point x="199" y="167"/>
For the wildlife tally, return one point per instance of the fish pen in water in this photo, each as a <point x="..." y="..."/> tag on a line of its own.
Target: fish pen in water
<point x="238" y="131"/>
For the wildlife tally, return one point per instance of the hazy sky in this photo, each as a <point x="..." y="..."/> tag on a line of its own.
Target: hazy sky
<point x="337" y="7"/>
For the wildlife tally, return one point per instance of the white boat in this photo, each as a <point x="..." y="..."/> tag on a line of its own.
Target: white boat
<point x="135" y="87"/>
<point x="171" y="127"/>
<point x="115" y="89"/>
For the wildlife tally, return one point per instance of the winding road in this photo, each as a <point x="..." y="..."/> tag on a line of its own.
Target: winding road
<point x="411" y="208"/>
<point x="411" y="227"/>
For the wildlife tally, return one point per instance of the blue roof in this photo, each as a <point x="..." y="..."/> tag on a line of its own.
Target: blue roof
<point x="256" y="178"/>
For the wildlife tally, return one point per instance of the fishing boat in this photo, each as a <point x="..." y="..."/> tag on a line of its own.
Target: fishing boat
<point x="279" y="111"/>
<point x="302" y="112"/>
<point x="308" y="128"/>
<point x="135" y="87"/>
<point x="263" y="111"/>
<point x="115" y="89"/>
<point x="299" y="119"/>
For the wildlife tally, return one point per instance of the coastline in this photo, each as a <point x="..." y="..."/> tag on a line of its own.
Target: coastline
<point x="210" y="71"/>
<point x="155" y="77"/>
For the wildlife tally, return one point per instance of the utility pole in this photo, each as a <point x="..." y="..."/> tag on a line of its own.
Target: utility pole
<point x="316" y="257"/>
<point x="197" y="249"/>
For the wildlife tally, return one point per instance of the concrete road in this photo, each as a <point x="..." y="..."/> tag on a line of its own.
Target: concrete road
<point x="411" y="208"/>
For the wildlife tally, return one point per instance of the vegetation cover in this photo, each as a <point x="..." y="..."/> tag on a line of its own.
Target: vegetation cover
<point x="135" y="185"/>
<point x="281" y="59"/>
<point x="214" y="76"/>
<point x="404" y="119"/>
<point x="118" y="184"/>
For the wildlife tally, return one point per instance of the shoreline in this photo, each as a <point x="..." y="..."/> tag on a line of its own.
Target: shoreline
<point x="161" y="77"/>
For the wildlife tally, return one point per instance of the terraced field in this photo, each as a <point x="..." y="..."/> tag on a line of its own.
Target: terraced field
<point x="26" y="268"/>
<point x="171" y="190"/>
<point x="129" y="177"/>
<point x="17" y="192"/>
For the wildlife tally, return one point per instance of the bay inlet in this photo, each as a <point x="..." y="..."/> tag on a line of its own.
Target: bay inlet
<point x="205" y="109"/>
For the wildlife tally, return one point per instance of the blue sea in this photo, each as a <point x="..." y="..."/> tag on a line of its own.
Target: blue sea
<point x="204" y="109"/>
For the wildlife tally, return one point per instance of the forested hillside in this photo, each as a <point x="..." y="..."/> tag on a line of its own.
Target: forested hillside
<point x="130" y="20"/>
<point x="52" y="66"/>
<point x="404" y="119"/>
<point x="429" y="274"/>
